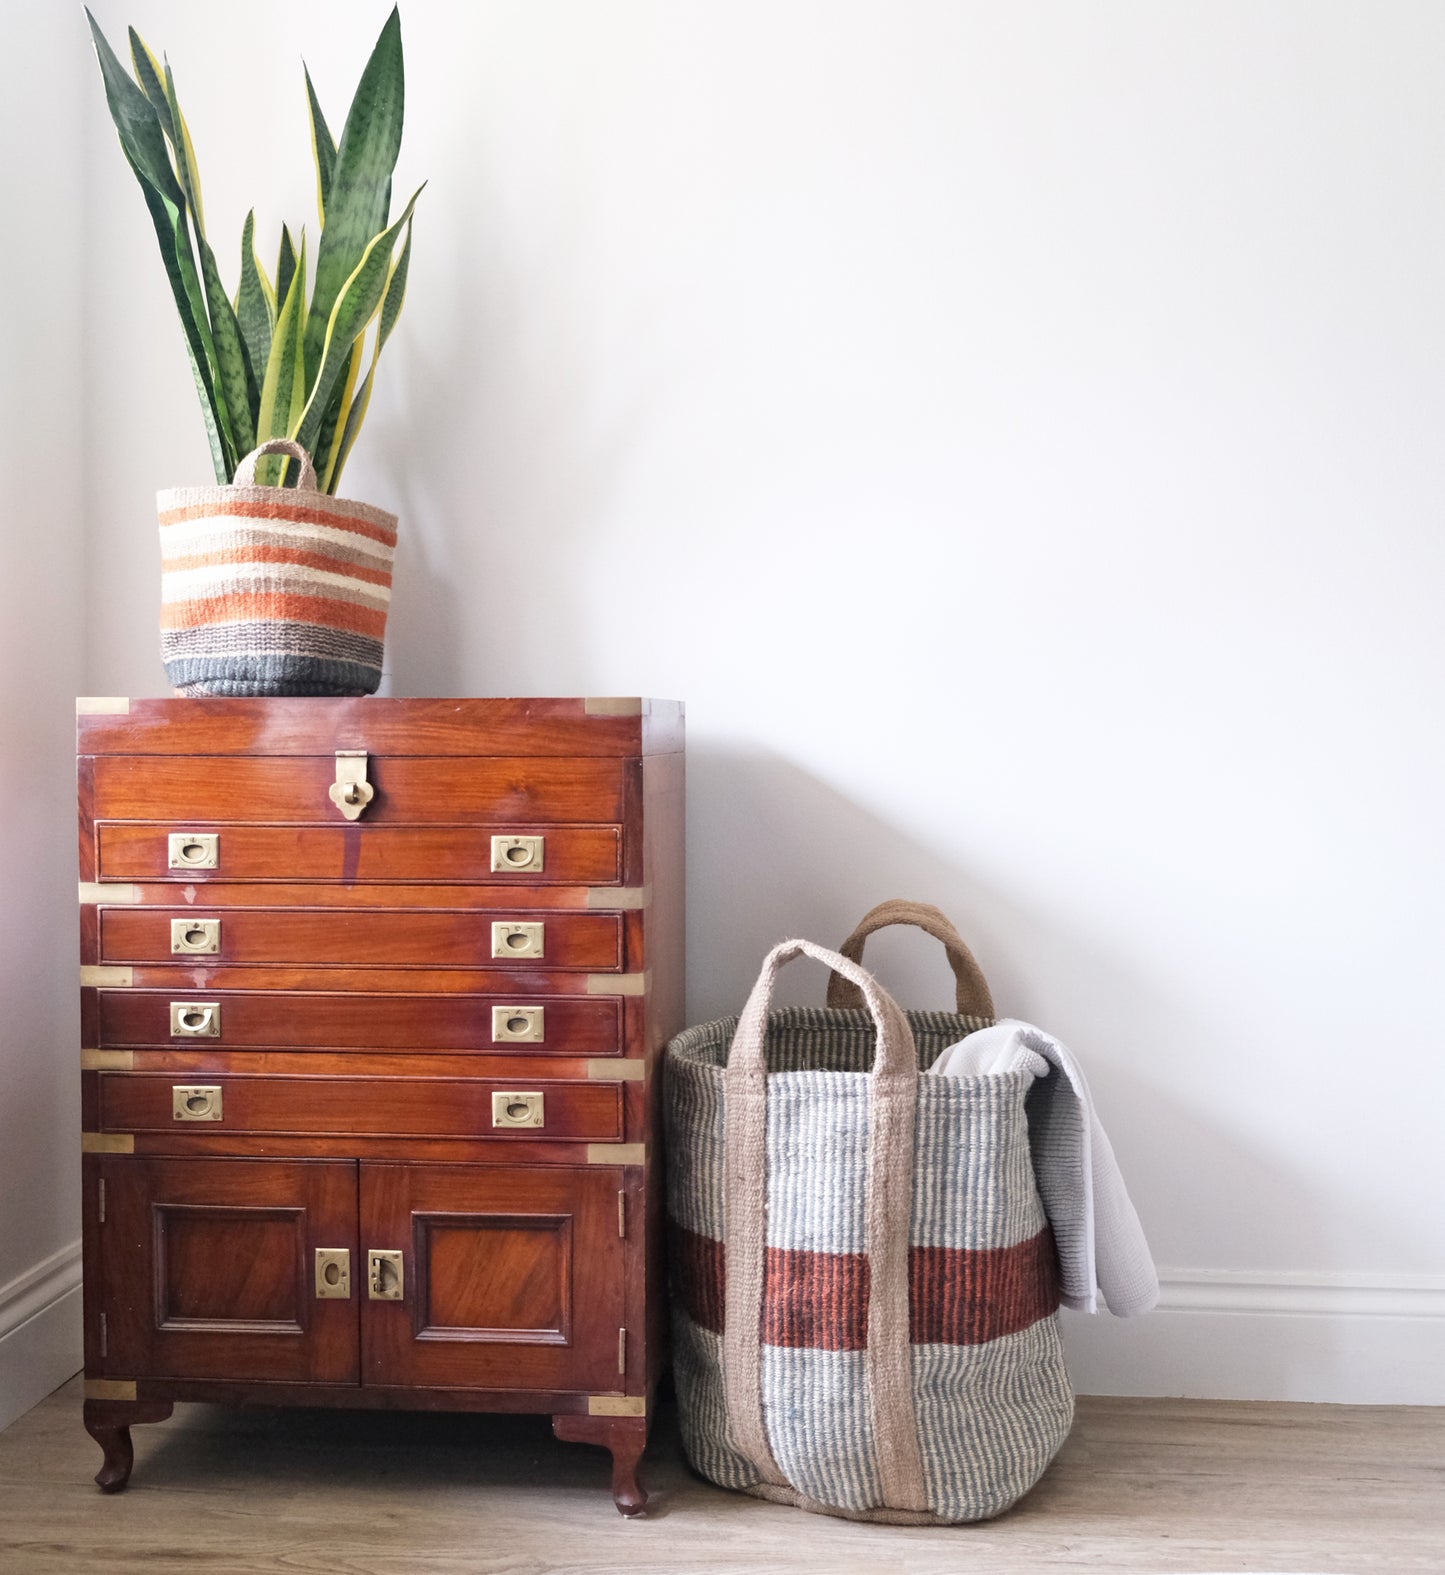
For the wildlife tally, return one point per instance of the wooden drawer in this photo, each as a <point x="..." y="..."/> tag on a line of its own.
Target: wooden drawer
<point x="579" y="855"/>
<point x="421" y="1024"/>
<point x="267" y="789"/>
<point x="361" y="1106"/>
<point x="459" y="938"/>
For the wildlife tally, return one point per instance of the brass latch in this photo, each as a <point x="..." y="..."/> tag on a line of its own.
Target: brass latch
<point x="518" y="1024"/>
<point x="196" y="1102"/>
<point x="351" y="792"/>
<point x="384" y="1279"/>
<point x="517" y="940"/>
<point x="526" y="855"/>
<point x="195" y="1019"/>
<point x="517" y="1110"/>
<point x="333" y="1273"/>
<point x="192" y="850"/>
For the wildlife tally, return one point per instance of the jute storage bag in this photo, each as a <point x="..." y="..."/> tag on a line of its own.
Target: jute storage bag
<point x="864" y="1285"/>
<point x="273" y="590"/>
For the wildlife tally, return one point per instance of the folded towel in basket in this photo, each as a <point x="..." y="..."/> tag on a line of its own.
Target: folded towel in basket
<point x="1100" y="1242"/>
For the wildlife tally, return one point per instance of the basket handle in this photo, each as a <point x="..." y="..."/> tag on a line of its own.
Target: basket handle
<point x="246" y="470"/>
<point x="892" y="1110"/>
<point x="971" y="992"/>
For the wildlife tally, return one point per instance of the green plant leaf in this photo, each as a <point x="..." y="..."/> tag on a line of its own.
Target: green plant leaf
<point x="359" y="300"/>
<point x="283" y="393"/>
<point x="234" y="376"/>
<point x="135" y="118"/>
<point x="357" y="195"/>
<point x="323" y="148"/>
<point x="286" y="263"/>
<point x="255" y="304"/>
<point x="148" y="73"/>
<point x="340" y="401"/>
<point x="185" y="154"/>
<point x="355" y="407"/>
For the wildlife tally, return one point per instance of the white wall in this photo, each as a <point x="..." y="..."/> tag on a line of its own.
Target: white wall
<point x="41" y="632"/>
<point x="1015" y="431"/>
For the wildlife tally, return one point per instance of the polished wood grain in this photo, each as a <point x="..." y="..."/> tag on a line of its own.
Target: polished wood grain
<point x="109" y="1423"/>
<point x="409" y="791"/>
<point x="418" y="1023"/>
<point x="365" y="1106"/>
<point x="625" y="1439"/>
<point x="464" y="727"/>
<point x="446" y="938"/>
<point x="1141" y="1487"/>
<point x="207" y="1267"/>
<point x="575" y="855"/>
<point x="515" y="1277"/>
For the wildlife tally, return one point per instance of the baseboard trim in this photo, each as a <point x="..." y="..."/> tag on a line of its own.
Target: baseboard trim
<point x="34" y="1291"/>
<point x="1351" y="1339"/>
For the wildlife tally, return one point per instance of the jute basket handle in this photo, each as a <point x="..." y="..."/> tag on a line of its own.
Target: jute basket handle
<point x="971" y="993"/>
<point x="892" y="1100"/>
<point x="246" y="470"/>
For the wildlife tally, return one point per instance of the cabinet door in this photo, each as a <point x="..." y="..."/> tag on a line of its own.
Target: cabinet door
<point x="510" y="1278"/>
<point x="208" y="1269"/>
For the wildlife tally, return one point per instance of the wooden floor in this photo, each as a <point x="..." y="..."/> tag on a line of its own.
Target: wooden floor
<point x="1157" y="1485"/>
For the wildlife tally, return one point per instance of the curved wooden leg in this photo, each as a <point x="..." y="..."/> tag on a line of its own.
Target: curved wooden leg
<point x="626" y="1438"/>
<point x="109" y="1423"/>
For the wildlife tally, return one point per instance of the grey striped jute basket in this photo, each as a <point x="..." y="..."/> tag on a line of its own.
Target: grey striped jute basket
<point x="864" y="1285"/>
<point x="273" y="590"/>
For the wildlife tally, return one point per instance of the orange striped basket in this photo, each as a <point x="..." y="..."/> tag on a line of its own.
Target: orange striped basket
<point x="273" y="590"/>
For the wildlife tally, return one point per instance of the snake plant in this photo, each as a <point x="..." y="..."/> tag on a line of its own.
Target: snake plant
<point x="284" y="355"/>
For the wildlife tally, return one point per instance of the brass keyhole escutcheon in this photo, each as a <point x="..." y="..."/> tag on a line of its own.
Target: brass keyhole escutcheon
<point x="517" y="1024"/>
<point x="351" y="792"/>
<point x="192" y="936"/>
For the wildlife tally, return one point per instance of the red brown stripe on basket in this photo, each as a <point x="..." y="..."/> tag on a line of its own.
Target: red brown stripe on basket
<point x="958" y="1296"/>
<point x="275" y="609"/>
<point x="819" y="1300"/>
<point x="816" y="1301"/>
<point x="293" y="556"/>
<point x="290" y="512"/>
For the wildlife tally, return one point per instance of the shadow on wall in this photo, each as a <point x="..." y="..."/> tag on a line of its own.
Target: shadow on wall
<point x="773" y="852"/>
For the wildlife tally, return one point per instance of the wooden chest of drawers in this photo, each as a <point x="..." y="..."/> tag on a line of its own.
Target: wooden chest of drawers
<point x="373" y="996"/>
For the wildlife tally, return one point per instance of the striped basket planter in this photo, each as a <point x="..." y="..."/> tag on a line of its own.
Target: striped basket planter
<point x="864" y="1285"/>
<point x="273" y="590"/>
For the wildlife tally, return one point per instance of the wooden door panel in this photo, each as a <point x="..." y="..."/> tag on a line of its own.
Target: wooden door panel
<point x="513" y="1278"/>
<point x="409" y="791"/>
<point x="580" y="855"/>
<point x="455" y="938"/>
<point x="313" y="1020"/>
<point x="208" y="1268"/>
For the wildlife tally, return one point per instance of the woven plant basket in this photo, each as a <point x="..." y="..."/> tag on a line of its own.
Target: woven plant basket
<point x="864" y="1284"/>
<point x="273" y="590"/>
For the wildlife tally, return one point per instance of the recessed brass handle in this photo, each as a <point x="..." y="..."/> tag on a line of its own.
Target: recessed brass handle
<point x="193" y="850"/>
<point x="517" y="1024"/>
<point x="195" y="1019"/>
<point x="189" y="936"/>
<point x="351" y="792"/>
<point x="385" y="1276"/>
<point x="333" y="1274"/>
<point x="196" y="1102"/>
<point x="517" y="1110"/>
<point x="517" y="940"/>
<point x="522" y="855"/>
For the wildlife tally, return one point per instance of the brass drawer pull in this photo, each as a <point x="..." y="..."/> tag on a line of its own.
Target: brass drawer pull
<point x="517" y="940"/>
<point x="522" y="855"/>
<point x="385" y="1276"/>
<point x="517" y="1024"/>
<point x="189" y="936"/>
<point x="351" y="792"/>
<point x="333" y="1274"/>
<point x="195" y="1019"/>
<point x="196" y="1102"/>
<point x="193" y="850"/>
<point x="517" y="1110"/>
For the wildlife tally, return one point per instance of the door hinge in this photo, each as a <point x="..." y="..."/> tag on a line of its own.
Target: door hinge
<point x="101" y="1215"/>
<point x="104" y="1337"/>
<point x="622" y="1351"/>
<point x="622" y="1214"/>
